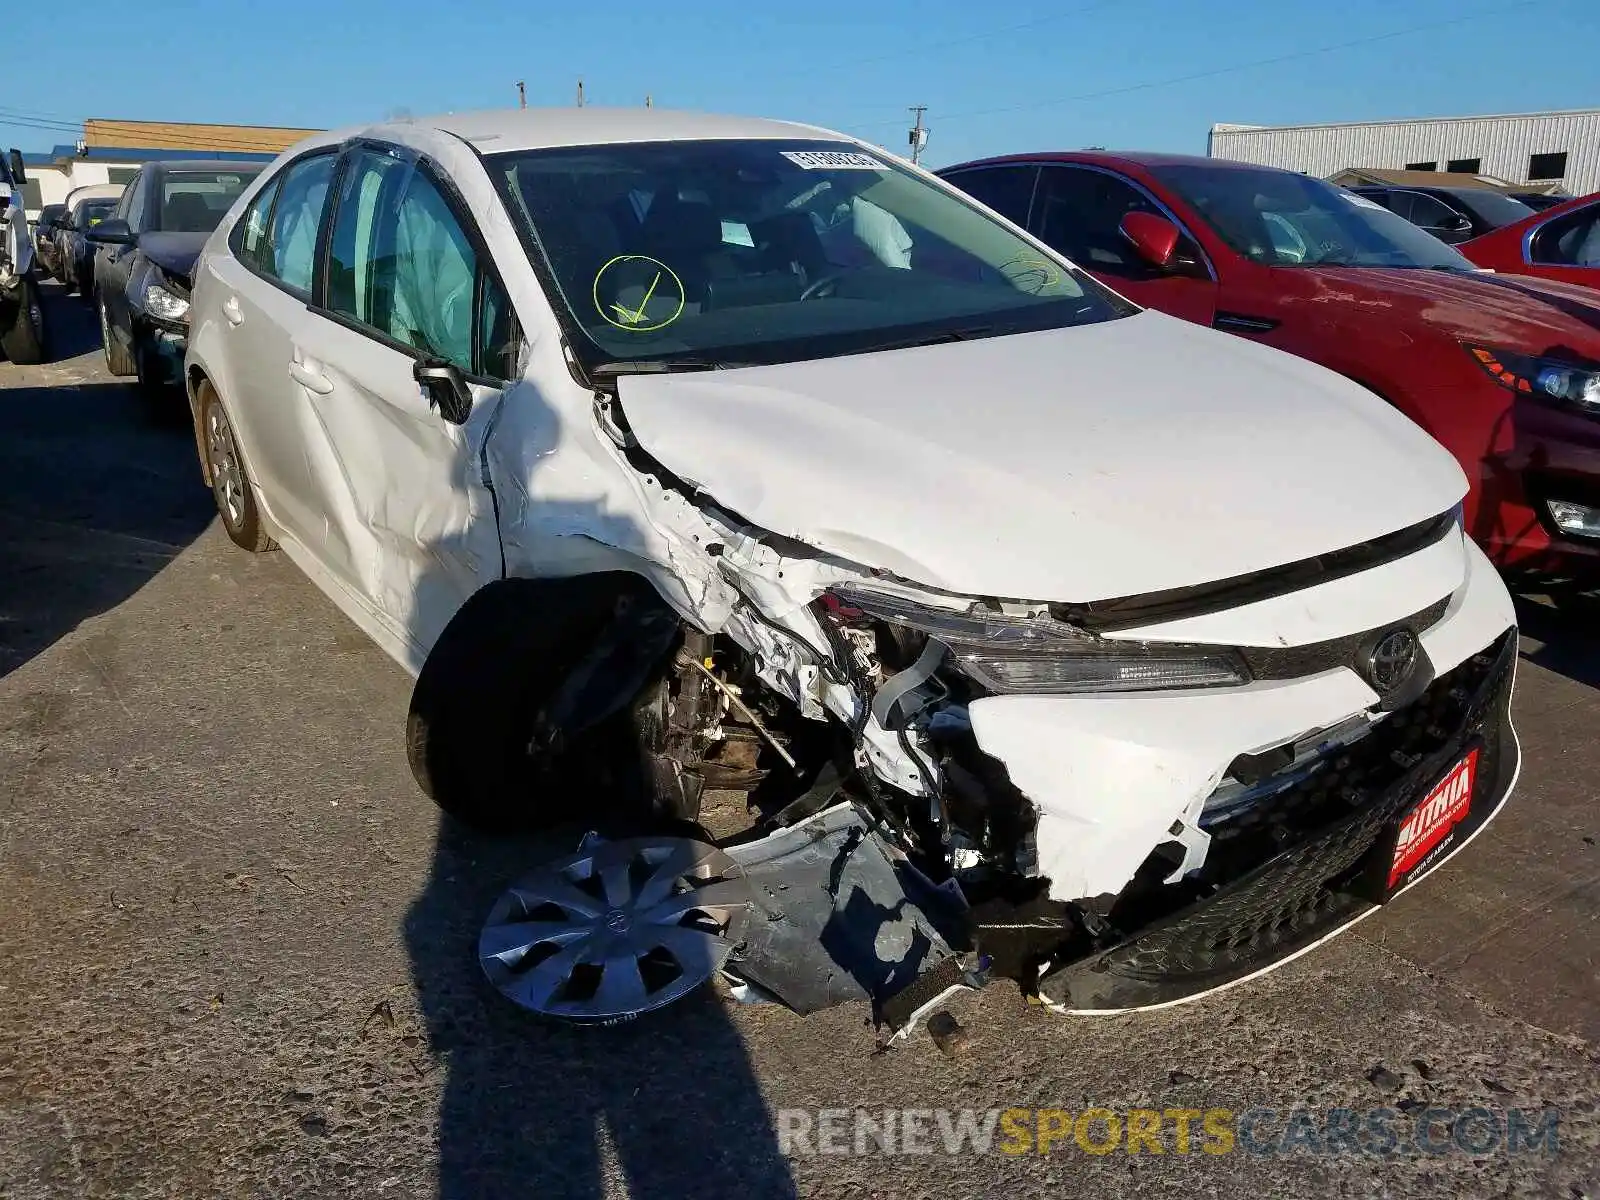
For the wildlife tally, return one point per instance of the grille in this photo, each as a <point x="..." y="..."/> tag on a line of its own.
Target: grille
<point x="1284" y="874"/>
<point x="1293" y="662"/>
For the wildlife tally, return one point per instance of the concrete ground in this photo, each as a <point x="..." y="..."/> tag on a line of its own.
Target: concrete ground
<point x="236" y="943"/>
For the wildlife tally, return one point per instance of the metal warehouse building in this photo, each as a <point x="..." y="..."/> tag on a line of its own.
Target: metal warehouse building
<point x="1560" y="150"/>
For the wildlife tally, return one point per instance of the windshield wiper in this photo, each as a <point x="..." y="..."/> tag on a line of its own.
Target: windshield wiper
<point x="931" y="339"/>
<point x="662" y="366"/>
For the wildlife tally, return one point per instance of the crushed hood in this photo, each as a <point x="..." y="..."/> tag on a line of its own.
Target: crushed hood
<point x="174" y="253"/>
<point x="1078" y="464"/>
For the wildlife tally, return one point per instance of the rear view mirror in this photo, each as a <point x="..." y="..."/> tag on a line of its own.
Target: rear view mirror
<point x="1154" y="238"/>
<point x="110" y="232"/>
<point x="445" y="387"/>
<point x="19" y="173"/>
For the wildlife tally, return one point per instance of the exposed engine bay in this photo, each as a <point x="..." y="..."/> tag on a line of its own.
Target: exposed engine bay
<point x="889" y="857"/>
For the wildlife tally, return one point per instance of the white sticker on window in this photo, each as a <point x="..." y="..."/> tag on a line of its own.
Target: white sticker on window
<point x="1363" y="202"/>
<point x="736" y="233"/>
<point x="833" y="160"/>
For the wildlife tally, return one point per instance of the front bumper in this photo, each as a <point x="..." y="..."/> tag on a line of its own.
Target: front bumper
<point x="1554" y="455"/>
<point x="1320" y="882"/>
<point x="161" y="346"/>
<point x="1120" y="784"/>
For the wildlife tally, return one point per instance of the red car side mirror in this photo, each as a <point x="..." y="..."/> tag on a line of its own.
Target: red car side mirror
<point x="1154" y="238"/>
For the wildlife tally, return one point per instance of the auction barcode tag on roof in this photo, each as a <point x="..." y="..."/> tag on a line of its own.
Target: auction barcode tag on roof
<point x="833" y="160"/>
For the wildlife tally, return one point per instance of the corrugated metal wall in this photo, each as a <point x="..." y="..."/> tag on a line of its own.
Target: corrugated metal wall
<point x="1504" y="145"/>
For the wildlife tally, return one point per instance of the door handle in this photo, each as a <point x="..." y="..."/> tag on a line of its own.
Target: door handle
<point x="310" y="378"/>
<point x="232" y="311"/>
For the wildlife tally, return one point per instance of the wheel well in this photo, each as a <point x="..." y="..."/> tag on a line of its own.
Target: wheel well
<point x="194" y="378"/>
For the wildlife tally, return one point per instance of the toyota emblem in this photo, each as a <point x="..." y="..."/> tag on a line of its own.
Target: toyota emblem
<point x="1391" y="660"/>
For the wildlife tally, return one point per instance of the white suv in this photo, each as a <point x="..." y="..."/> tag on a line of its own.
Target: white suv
<point x="679" y="454"/>
<point x="22" y="327"/>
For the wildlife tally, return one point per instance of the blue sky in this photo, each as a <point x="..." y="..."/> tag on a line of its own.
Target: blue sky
<point x="1001" y="76"/>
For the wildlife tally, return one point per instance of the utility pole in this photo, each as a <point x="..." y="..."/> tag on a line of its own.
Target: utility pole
<point x="522" y="94"/>
<point x="647" y="102"/>
<point x="919" y="135"/>
<point x="580" y="93"/>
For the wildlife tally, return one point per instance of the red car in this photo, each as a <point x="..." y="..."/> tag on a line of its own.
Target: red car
<point x="1503" y="370"/>
<point x="1561" y="243"/>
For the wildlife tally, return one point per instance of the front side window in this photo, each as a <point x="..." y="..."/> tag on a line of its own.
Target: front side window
<point x="1570" y="241"/>
<point x="196" y="201"/>
<point x="400" y="262"/>
<point x="290" y="253"/>
<point x="1079" y="211"/>
<point x="1431" y="213"/>
<point x="769" y="251"/>
<point x="134" y="198"/>
<point x="1335" y="227"/>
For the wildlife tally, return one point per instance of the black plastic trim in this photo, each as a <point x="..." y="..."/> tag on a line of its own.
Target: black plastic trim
<point x="1104" y="616"/>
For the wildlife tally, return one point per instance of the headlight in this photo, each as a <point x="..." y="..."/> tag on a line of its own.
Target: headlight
<point x="164" y="304"/>
<point x="1039" y="655"/>
<point x="1547" y="379"/>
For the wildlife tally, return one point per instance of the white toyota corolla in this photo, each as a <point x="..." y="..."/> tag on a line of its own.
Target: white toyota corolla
<point x="1047" y="637"/>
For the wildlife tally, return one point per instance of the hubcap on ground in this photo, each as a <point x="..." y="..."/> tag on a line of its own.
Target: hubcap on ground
<point x="615" y="930"/>
<point x="227" y="480"/>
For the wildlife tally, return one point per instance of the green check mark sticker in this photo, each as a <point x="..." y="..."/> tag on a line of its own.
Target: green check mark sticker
<point x="658" y="281"/>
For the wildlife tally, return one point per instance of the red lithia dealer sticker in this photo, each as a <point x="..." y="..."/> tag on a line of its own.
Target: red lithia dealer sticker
<point x="1435" y="815"/>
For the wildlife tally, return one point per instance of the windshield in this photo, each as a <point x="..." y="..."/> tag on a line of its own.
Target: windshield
<point x="1494" y="208"/>
<point x="196" y="201"/>
<point x="722" y="252"/>
<point x="1287" y="220"/>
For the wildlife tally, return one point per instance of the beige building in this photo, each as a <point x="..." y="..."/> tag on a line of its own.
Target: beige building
<point x="112" y="150"/>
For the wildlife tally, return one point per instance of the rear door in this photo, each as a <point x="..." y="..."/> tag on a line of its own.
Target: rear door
<point x="406" y="278"/>
<point x="1078" y="210"/>
<point x="264" y="283"/>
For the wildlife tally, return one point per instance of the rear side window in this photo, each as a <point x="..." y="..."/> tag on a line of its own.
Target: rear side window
<point x="401" y="264"/>
<point x="290" y="254"/>
<point x="1007" y="190"/>
<point x="250" y="242"/>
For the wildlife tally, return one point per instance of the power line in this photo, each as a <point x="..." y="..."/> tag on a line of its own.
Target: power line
<point x="1245" y="66"/>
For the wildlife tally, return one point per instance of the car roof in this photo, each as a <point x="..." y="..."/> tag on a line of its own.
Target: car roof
<point x="1138" y="158"/>
<point x="206" y="164"/>
<point x="93" y="191"/>
<point x="496" y="131"/>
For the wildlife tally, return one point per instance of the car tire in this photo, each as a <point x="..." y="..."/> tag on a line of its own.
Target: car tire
<point x="473" y="710"/>
<point x="230" y="481"/>
<point x="119" y="361"/>
<point x="24" y="343"/>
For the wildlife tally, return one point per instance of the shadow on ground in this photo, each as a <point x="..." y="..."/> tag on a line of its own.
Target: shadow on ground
<point x="95" y="498"/>
<point x="528" y="1104"/>
<point x="1560" y="623"/>
<point x="73" y="327"/>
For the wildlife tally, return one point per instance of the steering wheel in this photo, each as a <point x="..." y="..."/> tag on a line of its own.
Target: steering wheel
<point x="823" y="285"/>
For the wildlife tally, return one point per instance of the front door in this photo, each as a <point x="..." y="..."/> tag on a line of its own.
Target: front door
<point x="403" y="487"/>
<point x="1078" y="211"/>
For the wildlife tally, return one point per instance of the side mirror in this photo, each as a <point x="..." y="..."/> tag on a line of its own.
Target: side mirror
<point x="19" y="173"/>
<point x="110" y="232"/>
<point x="445" y="387"/>
<point x="1154" y="239"/>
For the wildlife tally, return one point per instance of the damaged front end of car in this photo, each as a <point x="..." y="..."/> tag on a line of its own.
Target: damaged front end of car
<point x="1118" y="805"/>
